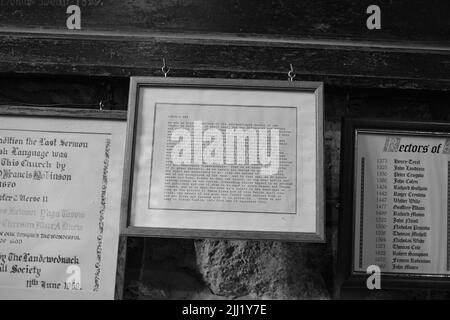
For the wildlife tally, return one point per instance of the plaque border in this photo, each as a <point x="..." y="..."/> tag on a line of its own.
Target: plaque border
<point x="137" y="83"/>
<point x="230" y="106"/>
<point x="347" y="278"/>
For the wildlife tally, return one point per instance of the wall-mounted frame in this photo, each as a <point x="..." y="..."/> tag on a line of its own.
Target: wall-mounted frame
<point x="61" y="172"/>
<point x="395" y="207"/>
<point x="181" y="181"/>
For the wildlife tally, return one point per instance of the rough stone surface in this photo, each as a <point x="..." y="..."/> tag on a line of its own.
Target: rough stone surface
<point x="262" y="269"/>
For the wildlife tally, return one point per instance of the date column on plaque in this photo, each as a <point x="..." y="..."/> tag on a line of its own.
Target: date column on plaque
<point x="381" y="212"/>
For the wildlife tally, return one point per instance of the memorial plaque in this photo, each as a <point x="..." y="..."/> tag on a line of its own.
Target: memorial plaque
<point x="400" y="199"/>
<point x="60" y="186"/>
<point x="225" y="159"/>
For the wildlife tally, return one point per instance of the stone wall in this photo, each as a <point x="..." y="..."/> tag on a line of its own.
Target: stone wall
<point x="227" y="269"/>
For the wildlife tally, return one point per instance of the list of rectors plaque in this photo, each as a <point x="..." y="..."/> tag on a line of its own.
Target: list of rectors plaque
<point x="400" y="199"/>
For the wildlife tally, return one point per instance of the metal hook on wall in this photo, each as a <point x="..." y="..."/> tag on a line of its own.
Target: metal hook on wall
<point x="291" y="74"/>
<point x="165" y="69"/>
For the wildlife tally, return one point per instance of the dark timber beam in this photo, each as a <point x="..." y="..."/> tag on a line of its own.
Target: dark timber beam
<point x="336" y="62"/>
<point x="401" y="20"/>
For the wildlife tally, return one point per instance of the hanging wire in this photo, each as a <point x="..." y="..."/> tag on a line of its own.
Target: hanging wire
<point x="291" y="74"/>
<point x="165" y="69"/>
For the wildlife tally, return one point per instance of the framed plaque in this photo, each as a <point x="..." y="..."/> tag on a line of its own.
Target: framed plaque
<point x="395" y="211"/>
<point x="60" y="185"/>
<point x="224" y="159"/>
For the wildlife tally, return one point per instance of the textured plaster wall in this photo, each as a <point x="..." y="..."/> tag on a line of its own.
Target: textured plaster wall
<point x="220" y="269"/>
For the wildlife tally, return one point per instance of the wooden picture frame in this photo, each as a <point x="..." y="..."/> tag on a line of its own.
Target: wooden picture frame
<point x="185" y="91"/>
<point x="347" y="275"/>
<point x="109" y="129"/>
